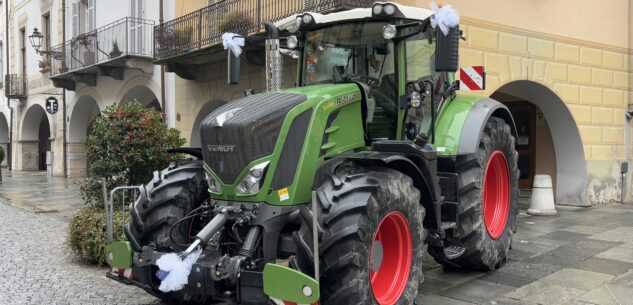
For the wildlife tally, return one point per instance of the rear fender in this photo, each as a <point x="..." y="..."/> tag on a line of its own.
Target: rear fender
<point x="459" y="126"/>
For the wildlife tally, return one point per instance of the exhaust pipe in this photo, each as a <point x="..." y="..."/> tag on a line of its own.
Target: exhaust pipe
<point x="274" y="60"/>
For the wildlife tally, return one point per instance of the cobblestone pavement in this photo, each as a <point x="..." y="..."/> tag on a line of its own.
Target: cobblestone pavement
<point x="579" y="257"/>
<point x="35" y="192"/>
<point x="36" y="268"/>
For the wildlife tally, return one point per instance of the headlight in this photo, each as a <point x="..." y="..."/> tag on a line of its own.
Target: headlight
<point x="389" y="32"/>
<point x="416" y="99"/>
<point x="250" y="184"/>
<point x="390" y="9"/>
<point x="308" y="19"/>
<point x="292" y="42"/>
<point x="214" y="184"/>
<point x="377" y="9"/>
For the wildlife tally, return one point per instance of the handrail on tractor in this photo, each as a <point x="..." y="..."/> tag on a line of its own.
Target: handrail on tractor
<point x="109" y="208"/>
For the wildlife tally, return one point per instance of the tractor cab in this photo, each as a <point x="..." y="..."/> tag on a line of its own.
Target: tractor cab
<point x="389" y="51"/>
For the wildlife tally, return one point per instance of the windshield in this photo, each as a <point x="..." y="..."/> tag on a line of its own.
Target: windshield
<point x="353" y="50"/>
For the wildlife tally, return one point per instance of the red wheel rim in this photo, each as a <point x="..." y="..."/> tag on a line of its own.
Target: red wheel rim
<point x="496" y="194"/>
<point x="393" y="248"/>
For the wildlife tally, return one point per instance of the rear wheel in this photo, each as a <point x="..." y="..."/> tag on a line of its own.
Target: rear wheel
<point x="371" y="237"/>
<point x="488" y="200"/>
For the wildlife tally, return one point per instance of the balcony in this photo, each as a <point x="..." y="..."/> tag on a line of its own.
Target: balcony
<point x="15" y="86"/>
<point x="192" y="38"/>
<point x="106" y="51"/>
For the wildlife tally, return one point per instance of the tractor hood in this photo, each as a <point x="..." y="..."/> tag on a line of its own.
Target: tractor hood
<point x="284" y="131"/>
<point x="243" y="131"/>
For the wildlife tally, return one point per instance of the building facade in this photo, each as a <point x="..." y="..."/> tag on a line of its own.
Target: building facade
<point x="562" y="67"/>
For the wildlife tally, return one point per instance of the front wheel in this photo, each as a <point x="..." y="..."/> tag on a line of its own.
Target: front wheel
<point x="372" y="237"/>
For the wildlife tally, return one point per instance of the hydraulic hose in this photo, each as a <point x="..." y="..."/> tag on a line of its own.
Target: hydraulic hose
<point x="250" y="242"/>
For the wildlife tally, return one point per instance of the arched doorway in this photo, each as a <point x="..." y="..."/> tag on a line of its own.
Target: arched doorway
<point x="34" y="139"/>
<point x="144" y="95"/>
<point x="83" y="114"/>
<point x="4" y="137"/>
<point x="548" y="138"/>
<point x="194" y="140"/>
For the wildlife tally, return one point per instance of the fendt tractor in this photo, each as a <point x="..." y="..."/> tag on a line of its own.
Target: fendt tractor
<point x="347" y="179"/>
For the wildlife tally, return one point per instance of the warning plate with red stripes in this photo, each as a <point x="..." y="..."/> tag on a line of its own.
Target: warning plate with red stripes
<point x="472" y="78"/>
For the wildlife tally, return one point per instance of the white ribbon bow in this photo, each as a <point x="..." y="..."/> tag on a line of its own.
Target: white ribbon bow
<point x="233" y="41"/>
<point x="177" y="270"/>
<point x="445" y="17"/>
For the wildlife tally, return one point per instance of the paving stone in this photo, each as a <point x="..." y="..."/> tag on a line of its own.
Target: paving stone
<point x="608" y="295"/>
<point x="575" y="253"/>
<point x="606" y="266"/>
<point x="585" y="229"/>
<point x="575" y="278"/>
<point x="620" y="234"/>
<point x="542" y="293"/>
<point x="620" y="253"/>
<point x="508" y="301"/>
<point x="433" y="286"/>
<point x="476" y="291"/>
<point x="565" y="236"/>
<point x="435" y="299"/>
<point x="452" y="276"/>
<point x="518" y="274"/>
<point x="536" y="245"/>
<point x="625" y="280"/>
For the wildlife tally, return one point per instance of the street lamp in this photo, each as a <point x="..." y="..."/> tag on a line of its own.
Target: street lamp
<point x="36" y="39"/>
<point x="36" y="43"/>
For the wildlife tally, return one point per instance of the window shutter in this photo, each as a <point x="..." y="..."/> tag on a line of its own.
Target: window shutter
<point x="91" y="15"/>
<point x="75" y="18"/>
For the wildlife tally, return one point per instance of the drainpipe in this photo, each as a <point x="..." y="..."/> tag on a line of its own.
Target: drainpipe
<point x="6" y="32"/>
<point x="162" y="68"/>
<point x="64" y="110"/>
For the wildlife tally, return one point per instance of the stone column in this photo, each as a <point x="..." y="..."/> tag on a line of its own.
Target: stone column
<point x="77" y="162"/>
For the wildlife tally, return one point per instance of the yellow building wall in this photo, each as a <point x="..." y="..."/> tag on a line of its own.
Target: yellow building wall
<point x="592" y="79"/>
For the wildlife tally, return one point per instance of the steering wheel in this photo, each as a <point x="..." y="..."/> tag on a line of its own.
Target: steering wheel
<point x="371" y="81"/>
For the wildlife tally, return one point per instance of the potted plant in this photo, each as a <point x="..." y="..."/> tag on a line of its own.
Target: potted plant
<point x="115" y="50"/>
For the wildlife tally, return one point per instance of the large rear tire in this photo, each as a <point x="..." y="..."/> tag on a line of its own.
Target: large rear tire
<point x="173" y="193"/>
<point x="371" y="237"/>
<point x="488" y="200"/>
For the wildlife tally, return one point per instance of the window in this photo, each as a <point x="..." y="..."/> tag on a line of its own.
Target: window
<point x="83" y="16"/>
<point x="1" y="64"/>
<point x="22" y="46"/>
<point x="46" y="42"/>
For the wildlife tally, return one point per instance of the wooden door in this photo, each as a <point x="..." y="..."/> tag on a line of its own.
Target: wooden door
<point x="524" y="114"/>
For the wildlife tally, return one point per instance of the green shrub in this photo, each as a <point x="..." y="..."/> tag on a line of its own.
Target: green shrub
<point x="126" y="145"/>
<point x="87" y="238"/>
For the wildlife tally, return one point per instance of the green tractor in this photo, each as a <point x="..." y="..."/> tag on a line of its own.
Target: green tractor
<point x="347" y="178"/>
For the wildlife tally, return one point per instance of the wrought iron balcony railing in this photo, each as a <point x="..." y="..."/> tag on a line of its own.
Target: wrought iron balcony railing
<point x="15" y="86"/>
<point x="205" y="27"/>
<point x="127" y="36"/>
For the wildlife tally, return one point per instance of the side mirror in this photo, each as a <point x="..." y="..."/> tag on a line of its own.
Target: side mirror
<point x="447" y="50"/>
<point x="233" y="64"/>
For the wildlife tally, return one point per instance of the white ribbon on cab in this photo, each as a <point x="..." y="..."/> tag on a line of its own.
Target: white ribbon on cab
<point x="445" y="17"/>
<point x="233" y="41"/>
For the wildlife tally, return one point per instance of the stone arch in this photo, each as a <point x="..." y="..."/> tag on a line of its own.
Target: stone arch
<point x="4" y="137"/>
<point x="140" y="86"/>
<point x="4" y="129"/>
<point x="84" y="111"/>
<point x="34" y="138"/>
<point x="571" y="166"/>
<point x="142" y="94"/>
<point x="194" y="140"/>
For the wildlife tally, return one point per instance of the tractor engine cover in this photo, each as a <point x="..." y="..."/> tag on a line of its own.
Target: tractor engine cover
<point x="244" y="130"/>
